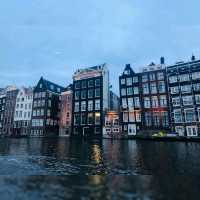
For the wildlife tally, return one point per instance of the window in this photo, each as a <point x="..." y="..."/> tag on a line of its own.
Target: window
<point x="125" y="116"/>
<point x="196" y="87"/>
<point x="52" y="87"/>
<point x="90" y="93"/>
<point x="184" y="77"/>
<point x="97" y="92"/>
<point x="165" y="119"/>
<point x="187" y="100"/>
<point x="148" y="120"/>
<point x="83" y="106"/>
<point x="153" y="88"/>
<point x="97" y="82"/>
<point x="43" y="94"/>
<point x="160" y="75"/>
<point x="49" y="103"/>
<point x="131" y="129"/>
<point x="135" y="79"/>
<point x="180" y="130"/>
<point x="76" y="109"/>
<point x="48" y="113"/>
<point x="131" y="117"/>
<point x="129" y="81"/>
<point x="123" y="92"/>
<point x="58" y="90"/>
<point x="83" y="94"/>
<point x="192" y="131"/>
<point x="145" y="88"/>
<point x="136" y="90"/>
<point x="195" y="75"/>
<point x="186" y="88"/>
<point x="174" y="90"/>
<point x="83" y="119"/>
<point x="123" y="81"/>
<point x="156" y="119"/>
<point x="124" y="103"/>
<point x="97" y="118"/>
<point x="173" y="79"/>
<point x="90" y="83"/>
<point x="137" y="102"/>
<point x="152" y="77"/>
<point x="154" y="101"/>
<point x="138" y="116"/>
<point x="198" y="110"/>
<point x="129" y="91"/>
<point x="42" y="112"/>
<point x="77" y="85"/>
<point x="163" y="101"/>
<point x="97" y="130"/>
<point x="197" y="99"/>
<point x="130" y="103"/>
<point x="90" y="118"/>
<point x="144" y="78"/>
<point x="161" y="86"/>
<point x="90" y="105"/>
<point x="189" y="115"/>
<point x="97" y="104"/>
<point x="76" y="119"/>
<point x="147" y="103"/>
<point x="176" y="101"/>
<point x="77" y="95"/>
<point x="177" y="116"/>
<point x="84" y="84"/>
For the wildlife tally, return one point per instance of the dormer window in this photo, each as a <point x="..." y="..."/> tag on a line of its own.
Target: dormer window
<point x="40" y="85"/>
<point x="58" y="89"/>
<point x="52" y="87"/>
<point x="127" y="72"/>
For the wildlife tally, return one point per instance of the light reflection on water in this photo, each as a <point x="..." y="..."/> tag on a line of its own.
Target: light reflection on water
<point x="159" y="170"/>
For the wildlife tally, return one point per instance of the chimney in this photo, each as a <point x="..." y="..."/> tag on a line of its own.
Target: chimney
<point x="162" y="60"/>
<point x="193" y="57"/>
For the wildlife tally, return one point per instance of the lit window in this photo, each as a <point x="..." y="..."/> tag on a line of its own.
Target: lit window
<point x="97" y="118"/>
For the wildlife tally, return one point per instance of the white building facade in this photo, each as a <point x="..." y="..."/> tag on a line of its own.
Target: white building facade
<point x="23" y="111"/>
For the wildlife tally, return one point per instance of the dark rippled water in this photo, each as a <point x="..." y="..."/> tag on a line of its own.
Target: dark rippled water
<point x="71" y="169"/>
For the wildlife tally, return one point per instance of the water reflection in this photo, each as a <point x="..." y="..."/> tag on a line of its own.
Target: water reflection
<point x="166" y="169"/>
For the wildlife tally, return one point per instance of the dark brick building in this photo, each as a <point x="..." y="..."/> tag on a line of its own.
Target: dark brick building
<point x="46" y="109"/>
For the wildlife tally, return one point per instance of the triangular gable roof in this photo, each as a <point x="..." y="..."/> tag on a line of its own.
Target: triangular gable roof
<point x="128" y="68"/>
<point x="48" y="85"/>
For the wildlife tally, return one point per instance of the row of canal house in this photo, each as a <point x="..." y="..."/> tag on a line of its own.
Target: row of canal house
<point x="160" y="98"/>
<point x="144" y="99"/>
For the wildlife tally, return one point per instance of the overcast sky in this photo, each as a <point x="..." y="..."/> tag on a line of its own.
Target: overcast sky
<point x="52" y="38"/>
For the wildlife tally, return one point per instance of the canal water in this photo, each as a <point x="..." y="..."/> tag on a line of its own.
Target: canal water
<point x="71" y="169"/>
